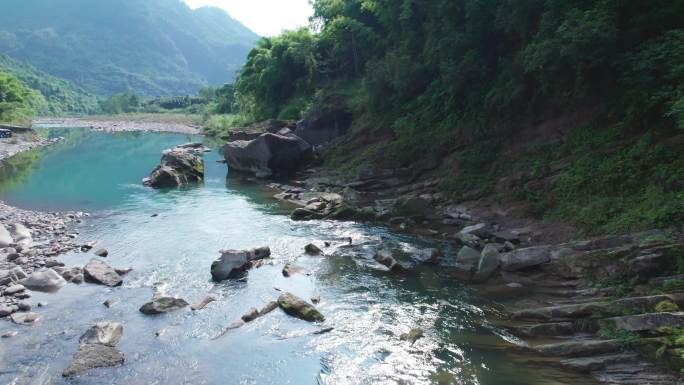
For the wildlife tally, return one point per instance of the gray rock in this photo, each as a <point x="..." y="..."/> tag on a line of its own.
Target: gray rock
<point x="291" y="269"/>
<point x="468" y="239"/>
<point x="468" y="256"/>
<point x="385" y="258"/>
<point x="479" y="230"/>
<point x="13" y="275"/>
<point x="74" y="275"/>
<point x="411" y="206"/>
<point x="102" y="253"/>
<point x="5" y="237"/>
<point x="412" y="335"/>
<point x="297" y="307"/>
<point x="26" y="319"/>
<point x="110" y="302"/>
<point x="163" y="305"/>
<point x="647" y="322"/>
<point x="9" y="334"/>
<point x="44" y="280"/>
<point x="14" y="289"/>
<point x="96" y="271"/>
<point x="90" y="356"/>
<point x="202" y="304"/>
<point x="22" y="236"/>
<point x="5" y="311"/>
<point x="580" y="348"/>
<point x="24" y="305"/>
<point x="525" y="258"/>
<point x="104" y="333"/>
<point x="320" y="126"/>
<point x="251" y="315"/>
<point x="232" y="263"/>
<point x="269" y="154"/>
<point x="312" y="249"/>
<point x="178" y="167"/>
<point x="490" y="259"/>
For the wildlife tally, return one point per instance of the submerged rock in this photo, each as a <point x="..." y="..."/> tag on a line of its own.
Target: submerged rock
<point x="105" y="333"/>
<point x="297" y="307"/>
<point x="412" y="335"/>
<point x="178" y="167"/>
<point x="269" y="154"/>
<point x="97" y="271"/>
<point x="202" y="304"/>
<point x="163" y="305"/>
<point x="385" y="258"/>
<point x="44" y="280"/>
<point x="234" y="262"/>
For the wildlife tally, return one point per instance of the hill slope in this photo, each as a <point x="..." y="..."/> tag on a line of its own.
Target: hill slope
<point x="62" y="97"/>
<point x="152" y="47"/>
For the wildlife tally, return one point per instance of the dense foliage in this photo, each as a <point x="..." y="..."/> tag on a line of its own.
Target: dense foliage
<point x="62" y="96"/>
<point x="149" y="47"/>
<point x="425" y="78"/>
<point x="18" y="103"/>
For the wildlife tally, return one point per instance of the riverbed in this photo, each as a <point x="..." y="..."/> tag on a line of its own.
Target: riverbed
<point x="172" y="236"/>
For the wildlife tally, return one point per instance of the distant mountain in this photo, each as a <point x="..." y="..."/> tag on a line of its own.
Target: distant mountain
<point x="62" y="96"/>
<point x="151" y="47"/>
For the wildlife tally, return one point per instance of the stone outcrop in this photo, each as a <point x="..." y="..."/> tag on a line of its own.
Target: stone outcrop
<point x="268" y="155"/>
<point x="233" y="263"/>
<point x="321" y="126"/>
<point x="179" y="166"/>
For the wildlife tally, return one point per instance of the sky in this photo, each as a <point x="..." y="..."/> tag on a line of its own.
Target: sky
<point x="265" y="17"/>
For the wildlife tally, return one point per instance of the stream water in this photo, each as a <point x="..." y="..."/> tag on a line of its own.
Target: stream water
<point x="368" y="307"/>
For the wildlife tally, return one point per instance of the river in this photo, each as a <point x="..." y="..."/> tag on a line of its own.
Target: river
<point x="368" y="307"/>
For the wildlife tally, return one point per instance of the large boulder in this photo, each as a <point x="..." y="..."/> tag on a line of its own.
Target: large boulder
<point x="97" y="349"/>
<point x="5" y="237"/>
<point x="321" y="126"/>
<point x="232" y="263"/>
<point x="490" y="259"/>
<point x="268" y="155"/>
<point x="44" y="280"/>
<point x="179" y="166"/>
<point x="297" y="307"/>
<point x="99" y="272"/>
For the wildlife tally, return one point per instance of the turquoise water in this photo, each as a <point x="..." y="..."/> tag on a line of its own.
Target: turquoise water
<point x="368" y="307"/>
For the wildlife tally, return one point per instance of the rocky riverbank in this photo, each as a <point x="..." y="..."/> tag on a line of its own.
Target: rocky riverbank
<point x="610" y="307"/>
<point x="29" y="243"/>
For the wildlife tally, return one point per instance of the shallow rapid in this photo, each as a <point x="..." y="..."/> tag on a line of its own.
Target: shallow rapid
<point x="368" y="307"/>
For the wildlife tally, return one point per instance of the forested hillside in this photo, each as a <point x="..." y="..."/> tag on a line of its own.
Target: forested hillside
<point x="18" y="103"/>
<point x="576" y="107"/>
<point x="61" y="96"/>
<point x="149" y="47"/>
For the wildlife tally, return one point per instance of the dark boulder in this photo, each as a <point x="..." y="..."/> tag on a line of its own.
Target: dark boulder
<point x="320" y="126"/>
<point x="268" y="155"/>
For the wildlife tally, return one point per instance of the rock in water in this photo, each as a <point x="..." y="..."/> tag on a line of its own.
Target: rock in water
<point x="234" y="262"/>
<point x="179" y="166"/>
<point x="412" y="336"/>
<point x="99" y="272"/>
<point x="5" y="237"/>
<point x="297" y="307"/>
<point x="163" y="305"/>
<point x="44" y="280"/>
<point x="104" y="333"/>
<point x="312" y="249"/>
<point x="291" y="269"/>
<point x="385" y="258"/>
<point x="102" y="253"/>
<point x="201" y="305"/>
<point x="269" y="154"/>
<point x="90" y="356"/>
<point x="22" y="235"/>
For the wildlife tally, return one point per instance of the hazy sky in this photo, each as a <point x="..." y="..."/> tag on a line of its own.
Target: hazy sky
<point x="265" y="17"/>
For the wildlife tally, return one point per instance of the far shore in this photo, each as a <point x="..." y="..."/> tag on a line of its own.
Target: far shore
<point x="174" y="123"/>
